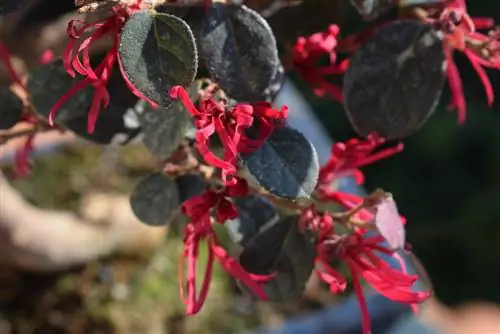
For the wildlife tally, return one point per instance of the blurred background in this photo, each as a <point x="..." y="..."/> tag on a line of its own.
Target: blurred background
<point x="446" y="182"/>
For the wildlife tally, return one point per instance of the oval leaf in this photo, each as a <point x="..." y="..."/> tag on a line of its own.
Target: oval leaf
<point x="157" y="51"/>
<point x="164" y="129"/>
<point x="240" y="51"/>
<point x="394" y="81"/>
<point x="189" y="185"/>
<point x="371" y="9"/>
<point x="283" y="249"/>
<point x="155" y="199"/>
<point x="193" y="15"/>
<point x="255" y="213"/>
<point x="11" y="110"/>
<point x="286" y="164"/>
<point x="117" y="124"/>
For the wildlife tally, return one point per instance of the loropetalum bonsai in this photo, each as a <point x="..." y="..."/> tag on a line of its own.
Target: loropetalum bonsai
<point x="194" y="80"/>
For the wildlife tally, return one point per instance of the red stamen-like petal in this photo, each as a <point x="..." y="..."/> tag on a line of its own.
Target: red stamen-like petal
<point x="21" y="160"/>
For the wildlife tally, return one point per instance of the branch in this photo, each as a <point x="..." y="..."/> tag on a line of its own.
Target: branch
<point x="36" y="239"/>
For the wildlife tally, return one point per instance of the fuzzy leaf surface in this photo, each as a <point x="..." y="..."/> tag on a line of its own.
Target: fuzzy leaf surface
<point x="394" y="82"/>
<point x="255" y="213"/>
<point x="240" y="51"/>
<point x="286" y="164"/>
<point x="155" y="199"/>
<point x="282" y="249"/>
<point x="157" y="51"/>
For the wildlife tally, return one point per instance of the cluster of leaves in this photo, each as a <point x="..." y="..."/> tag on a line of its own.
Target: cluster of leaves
<point x="195" y="82"/>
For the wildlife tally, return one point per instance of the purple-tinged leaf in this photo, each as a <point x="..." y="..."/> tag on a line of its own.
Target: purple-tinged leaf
<point x="158" y="51"/>
<point x="286" y="164"/>
<point x="394" y="82"/>
<point x="240" y="51"/>
<point x="155" y="199"/>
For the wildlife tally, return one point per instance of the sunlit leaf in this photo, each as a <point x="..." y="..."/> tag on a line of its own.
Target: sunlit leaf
<point x="158" y="51"/>
<point x="286" y="165"/>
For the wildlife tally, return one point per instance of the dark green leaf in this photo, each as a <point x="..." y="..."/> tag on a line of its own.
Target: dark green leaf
<point x="193" y="15"/>
<point x="155" y="199"/>
<point x="240" y="51"/>
<point x="283" y="249"/>
<point x="118" y="124"/>
<point x="255" y="213"/>
<point x="286" y="165"/>
<point x="394" y="81"/>
<point x="189" y="185"/>
<point x="158" y="51"/>
<point x="11" y="109"/>
<point x="164" y="129"/>
<point x="371" y="9"/>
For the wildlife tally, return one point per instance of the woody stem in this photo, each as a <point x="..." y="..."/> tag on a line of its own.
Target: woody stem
<point x="188" y="163"/>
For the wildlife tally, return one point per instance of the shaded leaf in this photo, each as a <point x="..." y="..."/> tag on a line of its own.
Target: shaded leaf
<point x="117" y="124"/>
<point x="158" y="51"/>
<point x="164" y="129"/>
<point x="394" y="81"/>
<point x="194" y="16"/>
<point x="155" y="199"/>
<point x="240" y="51"/>
<point x="286" y="164"/>
<point x="255" y="213"/>
<point x="11" y="109"/>
<point x="371" y="9"/>
<point x="282" y="249"/>
<point x="189" y="185"/>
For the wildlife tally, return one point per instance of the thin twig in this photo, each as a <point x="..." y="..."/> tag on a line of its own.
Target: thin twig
<point x="5" y="137"/>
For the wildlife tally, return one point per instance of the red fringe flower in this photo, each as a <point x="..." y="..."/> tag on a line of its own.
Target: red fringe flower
<point x="359" y="254"/>
<point x="229" y="124"/>
<point x="76" y="59"/>
<point x="345" y="160"/>
<point x="21" y="160"/>
<point x="22" y="155"/>
<point x="306" y="54"/>
<point x="482" y="50"/>
<point x="199" y="228"/>
<point x="348" y="157"/>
